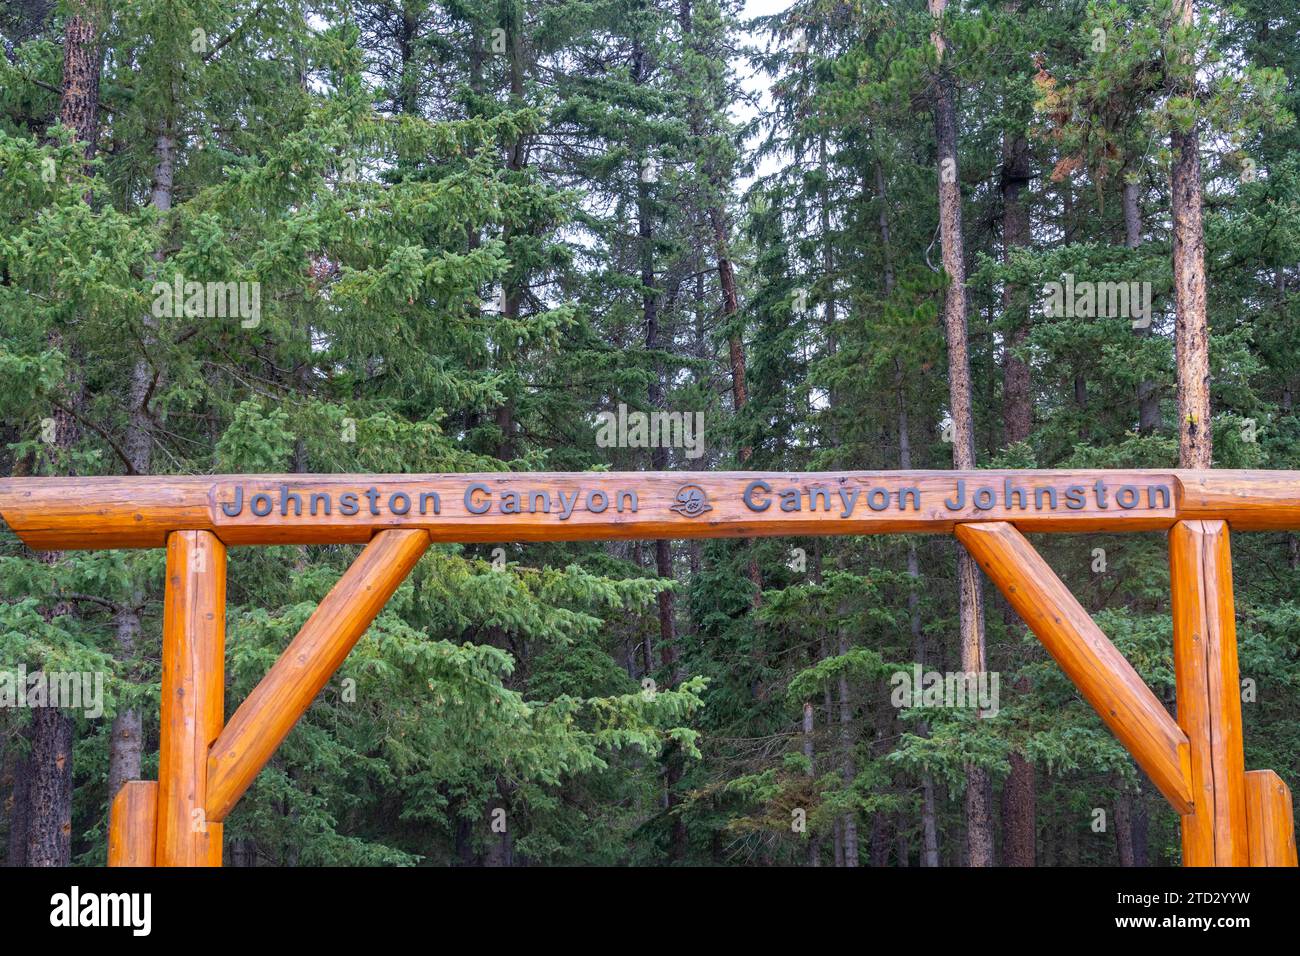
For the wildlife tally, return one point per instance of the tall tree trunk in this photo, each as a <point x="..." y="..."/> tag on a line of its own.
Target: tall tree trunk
<point x="1018" y="804"/>
<point x="1191" y="327"/>
<point x="125" y="751"/>
<point x="837" y="827"/>
<point x="929" y="830"/>
<point x="1141" y="821"/>
<point x="1124" y="824"/>
<point x="513" y="287"/>
<point x="814" y="843"/>
<point x="659" y="460"/>
<point x="979" y="826"/>
<point x="19" y="788"/>
<point x="902" y="848"/>
<point x="880" y="717"/>
<point x="1017" y="409"/>
<point x="658" y="455"/>
<point x="49" y="794"/>
<point x="79" y="101"/>
<point x="1148" y="394"/>
<point x="848" y="762"/>
<point x="730" y="308"/>
<point x="500" y="850"/>
<point x="49" y="771"/>
<point x="1019" y="807"/>
<point x="929" y="827"/>
<point x="848" y="765"/>
<point x="717" y="218"/>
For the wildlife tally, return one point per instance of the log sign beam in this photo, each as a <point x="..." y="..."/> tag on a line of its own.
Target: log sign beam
<point x="1229" y="817"/>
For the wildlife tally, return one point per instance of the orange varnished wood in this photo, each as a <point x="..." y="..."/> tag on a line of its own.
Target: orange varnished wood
<point x="102" y="512"/>
<point x="1247" y="500"/>
<point x="1107" y="681"/>
<point x="71" y="513"/>
<point x="206" y="768"/>
<point x="133" y="824"/>
<point x="1271" y="820"/>
<point x="193" y="658"/>
<point x="265" y="718"/>
<point x="1209" y="693"/>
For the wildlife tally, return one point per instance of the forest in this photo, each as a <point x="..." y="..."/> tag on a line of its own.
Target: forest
<point x="439" y="237"/>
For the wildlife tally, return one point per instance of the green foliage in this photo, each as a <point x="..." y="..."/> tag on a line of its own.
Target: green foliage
<point x="476" y="225"/>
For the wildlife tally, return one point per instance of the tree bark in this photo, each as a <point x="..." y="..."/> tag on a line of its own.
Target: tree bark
<point x="979" y="828"/>
<point x="512" y="288"/>
<point x="837" y="828"/>
<point x="1148" y="394"/>
<point x="1191" y="326"/>
<point x="929" y="837"/>
<point x="717" y="222"/>
<point x="814" y="843"/>
<point x="500" y="850"/>
<point x="49" y="772"/>
<point x="1124" y="825"/>
<point x="1141" y="821"/>
<point x="20" y="784"/>
<point x="79" y="101"/>
<point x="125" y="751"/>
<point x="49" y="794"/>
<point x="1016" y="403"/>
<point x="1018" y="804"/>
<point x="848" y="763"/>
<point x="730" y="307"/>
<point x="848" y="766"/>
<point x="1019" y="811"/>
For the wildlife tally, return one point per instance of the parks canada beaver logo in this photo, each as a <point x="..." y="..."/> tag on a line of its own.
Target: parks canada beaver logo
<point x="692" y="501"/>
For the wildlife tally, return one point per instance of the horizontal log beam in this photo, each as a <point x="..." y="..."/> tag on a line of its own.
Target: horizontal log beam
<point x="126" y="512"/>
<point x="1105" y="678"/>
<point x="267" y="715"/>
<point x="1247" y="500"/>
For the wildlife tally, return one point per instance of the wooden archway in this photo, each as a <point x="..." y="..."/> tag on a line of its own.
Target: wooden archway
<point x="1229" y="817"/>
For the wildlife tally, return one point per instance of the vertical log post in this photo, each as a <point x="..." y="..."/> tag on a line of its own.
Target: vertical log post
<point x="1272" y="822"/>
<point x="133" y="824"/>
<point x="1214" y="833"/>
<point x="193" y="658"/>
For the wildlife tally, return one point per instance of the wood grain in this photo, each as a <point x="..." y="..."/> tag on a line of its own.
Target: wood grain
<point x="1209" y="693"/>
<point x="193" y="665"/>
<point x="265" y="718"/>
<point x="1271" y="820"/>
<point x="1247" y="500"/>
<point x="72" y="513"/>
<point x="133" y="824"/>
<point x="1105" y="679"/>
